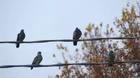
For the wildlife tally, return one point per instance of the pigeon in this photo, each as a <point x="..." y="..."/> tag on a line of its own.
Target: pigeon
<point x="37" y="60"/>
<point x="20" y="38"/>
<point x="111" y="58"/>
<point x="76" y="35"/>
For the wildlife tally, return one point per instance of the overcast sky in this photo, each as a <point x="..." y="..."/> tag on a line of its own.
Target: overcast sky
<point x="47" y="19"/>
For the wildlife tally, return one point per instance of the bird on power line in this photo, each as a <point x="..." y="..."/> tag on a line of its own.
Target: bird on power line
<point x="76" y="35"/>
<point x="20" y="38"/>
<point x="37" y="60"/>
<point x="111" y="58"/>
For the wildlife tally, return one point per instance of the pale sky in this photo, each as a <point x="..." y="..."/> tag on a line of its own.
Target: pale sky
<point x="47" y="19"/>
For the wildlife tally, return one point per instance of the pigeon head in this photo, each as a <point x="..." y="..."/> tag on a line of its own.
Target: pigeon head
<point x="39" y="53"/>
<point x="22" y="30"/>
<point x="77" y="28"/>
<point x="111" y="51"/>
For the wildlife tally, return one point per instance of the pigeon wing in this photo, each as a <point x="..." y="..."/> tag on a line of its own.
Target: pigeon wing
<point x="22" y="36"/>
<point x="40" y="58"/>
<point x="34" y="61"/>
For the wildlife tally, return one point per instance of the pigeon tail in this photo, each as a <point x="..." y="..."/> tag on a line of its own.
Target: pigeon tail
<point x="75" y="43"/>
<point x="31" y="68"/>
<point x="110" y="64"/>
<point x="17" y="45"/>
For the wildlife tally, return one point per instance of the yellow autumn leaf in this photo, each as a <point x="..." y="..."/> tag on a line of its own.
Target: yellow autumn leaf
<point x="58" y="47"/>
<point x="123" y="19"/>
<point x="129" y="46"/>
<point x="66" y="67"/>
<point x="85" y="34"/>
<point x="89" y="28"/>
<point x="136" y="28"/>
<point x="93" y="59"/>
<point x="97" y="28"/>
<point x="126" y="31"/>
<point x="96" y="59"/>
<point x="62" y="75"/>
<point x="83" y="47"/>
<point x="57" y="76"/>
<point x="132" y="10"/>
<point x="123" y="13"/>
<point x="66" y="62"/>
<point x="66" y="50"/>
<point x="61" y="46"/>
<point x="124" y="16"/>
<point x="111" y="29"/>
<point x="85" y="43"/>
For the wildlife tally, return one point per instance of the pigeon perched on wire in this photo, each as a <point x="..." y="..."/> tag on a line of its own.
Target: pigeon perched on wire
<point x="76" y="35"/>
<point x="20" y="38"/>
<point x="111" y="58"/>
<point x="37" y="60"/>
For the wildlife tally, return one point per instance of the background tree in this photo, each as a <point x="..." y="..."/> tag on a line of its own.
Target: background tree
<point x="97" y="51"/>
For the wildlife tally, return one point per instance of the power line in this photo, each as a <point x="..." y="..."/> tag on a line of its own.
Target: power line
<point x="69" y="40"/>
<point x="57" y="65"/>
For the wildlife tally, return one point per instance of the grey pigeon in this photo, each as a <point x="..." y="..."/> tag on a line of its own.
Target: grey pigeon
<point x="111" y="58"/>
<point x="20" y="38"/>
<point x="76" y="35"/>
<point x="37" y="60"/>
